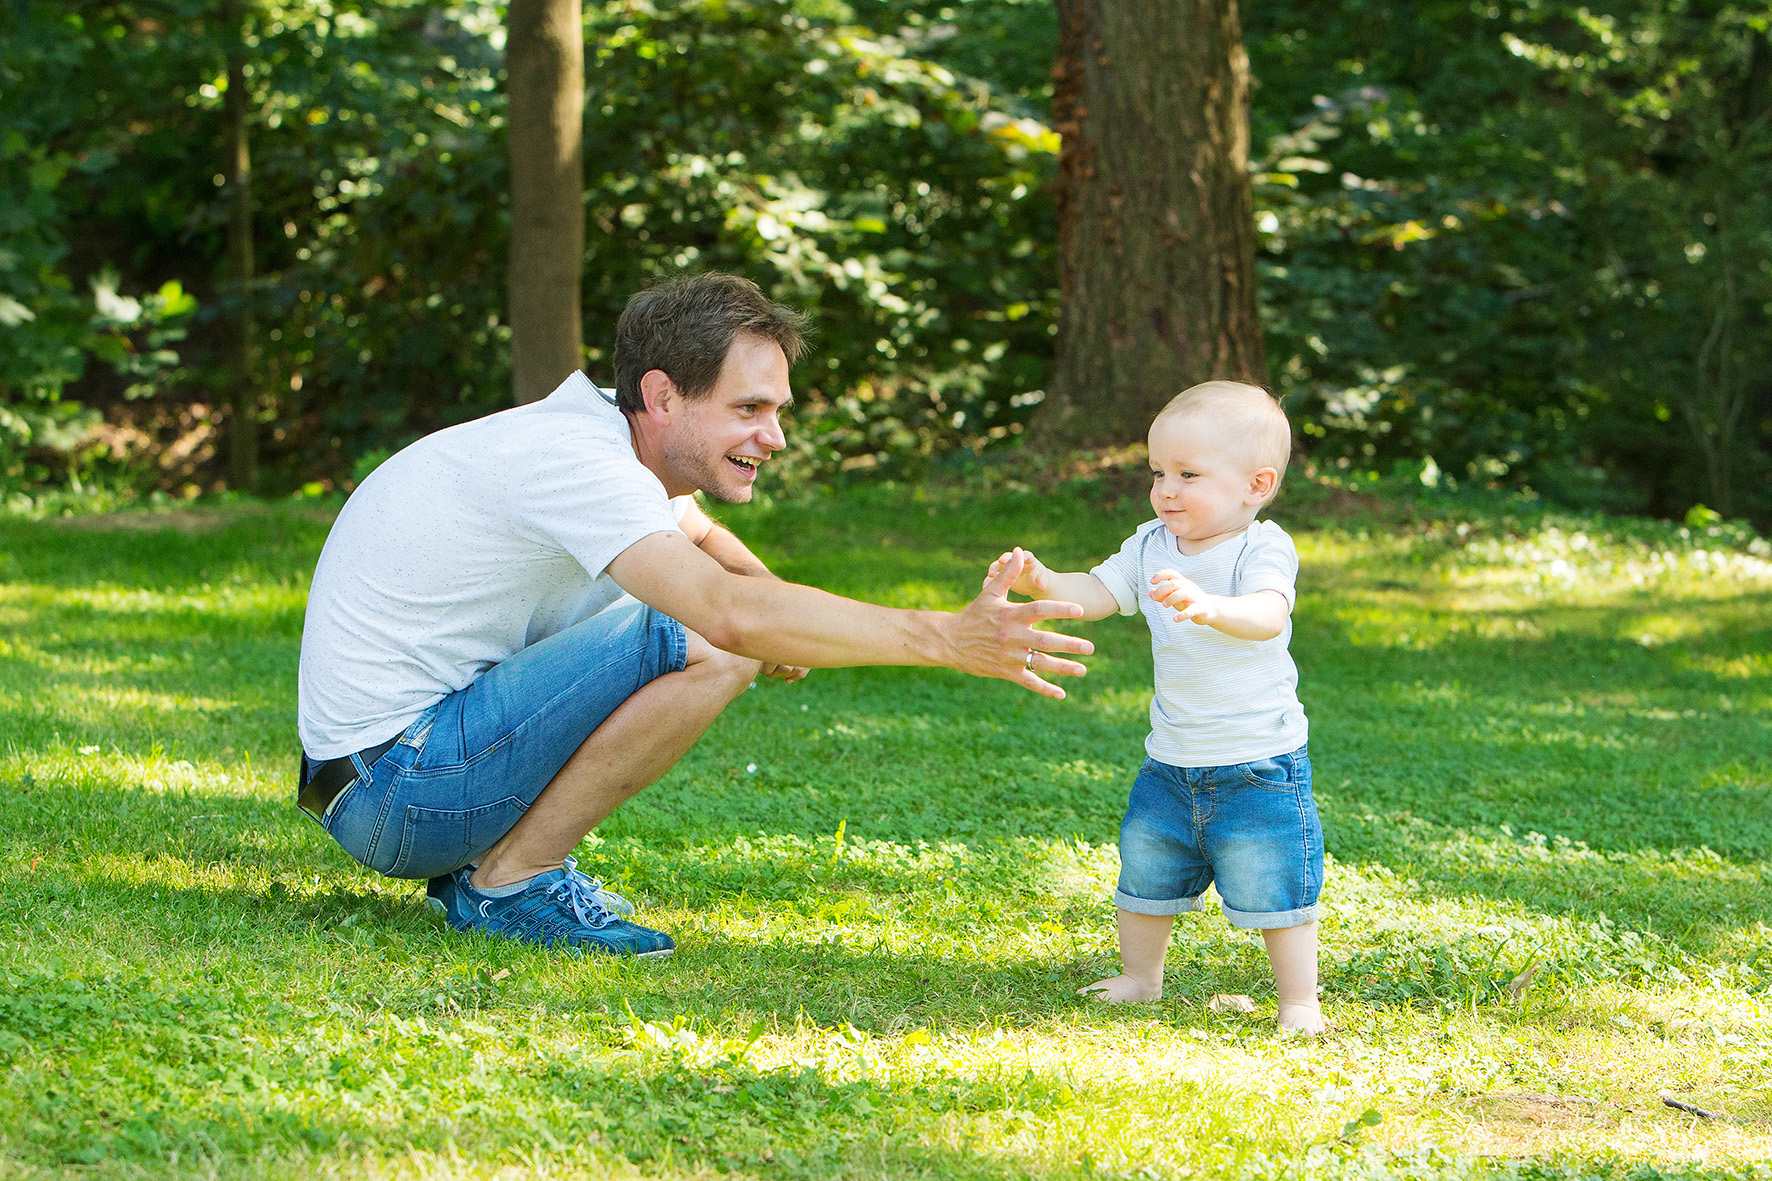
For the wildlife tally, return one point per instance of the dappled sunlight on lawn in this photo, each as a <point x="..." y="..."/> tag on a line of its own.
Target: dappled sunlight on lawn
<point x="1548" y="894"/>
<point x="253" y="604"/>
<point x="1745" y="666"/>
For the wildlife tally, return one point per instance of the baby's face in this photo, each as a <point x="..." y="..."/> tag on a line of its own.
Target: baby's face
<point x="1201" y="489"/>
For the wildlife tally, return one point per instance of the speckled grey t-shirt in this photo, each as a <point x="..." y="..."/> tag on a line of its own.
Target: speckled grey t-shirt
<point x="463" y="549"/>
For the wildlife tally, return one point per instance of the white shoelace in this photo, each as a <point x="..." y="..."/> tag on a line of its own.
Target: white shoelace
<point x="583" y="902"/>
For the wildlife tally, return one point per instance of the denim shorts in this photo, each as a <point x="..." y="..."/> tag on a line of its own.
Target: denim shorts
<point x="464" y="773"/>
<point x="1251" y="828"/>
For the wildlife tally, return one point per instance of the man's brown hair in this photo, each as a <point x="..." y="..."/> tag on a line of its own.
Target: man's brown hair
<point x="685" y="328"/>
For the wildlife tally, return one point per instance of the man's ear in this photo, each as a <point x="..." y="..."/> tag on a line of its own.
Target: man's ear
<point x="1263" y="483"/>
<point x="659" y="394"/>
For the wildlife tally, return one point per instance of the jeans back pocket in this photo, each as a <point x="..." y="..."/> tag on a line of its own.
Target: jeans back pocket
<point x="436" y="841"/>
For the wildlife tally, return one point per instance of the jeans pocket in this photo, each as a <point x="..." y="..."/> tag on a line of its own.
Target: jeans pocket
<point x="1273" y="774"/>
<point x="416" y="734"/>
<point x="435" y="841"/>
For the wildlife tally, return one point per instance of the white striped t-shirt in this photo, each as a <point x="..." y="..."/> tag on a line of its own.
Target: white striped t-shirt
<point x="1219" y="700"/>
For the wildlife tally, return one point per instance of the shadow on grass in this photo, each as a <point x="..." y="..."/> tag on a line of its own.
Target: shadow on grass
<point x="883" y="946"/>
<point x="251" y="542"/>
<point x="662" y="1115"/>
<point x="1691" y="896"/>
<point x="1576" y="773"/>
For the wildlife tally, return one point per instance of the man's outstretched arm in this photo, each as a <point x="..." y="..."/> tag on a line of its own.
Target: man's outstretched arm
<point x="786" y="623"/>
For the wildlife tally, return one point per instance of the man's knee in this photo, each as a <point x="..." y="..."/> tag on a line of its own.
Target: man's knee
<point x="734" y="672"/>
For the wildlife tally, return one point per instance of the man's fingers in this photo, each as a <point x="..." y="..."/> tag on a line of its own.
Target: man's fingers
<point x="1050" y="642"/>
<point x="1049" y="609"/>
<point x="1029" y="680"/>
<point x="1045" y="641"/>
<point x="1049" y="665"/>
<point x="1041" y="665"/>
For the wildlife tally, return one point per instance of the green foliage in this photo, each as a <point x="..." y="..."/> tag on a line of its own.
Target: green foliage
<point x="1505" y="246"/>
<point x="1530" y="241"/>
<point x="52" y="332"/>
<point x="901" y="205"/>
<point x="1540" y="746"/>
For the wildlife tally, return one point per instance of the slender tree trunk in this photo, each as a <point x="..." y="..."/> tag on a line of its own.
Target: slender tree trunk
<point x="1713" y="407"/>
<point x="544" y="67"/>
<point x="1155" y="213"/>
<point x="243" y="394"/>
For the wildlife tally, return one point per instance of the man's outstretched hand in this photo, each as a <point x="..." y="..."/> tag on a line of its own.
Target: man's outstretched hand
<point x="992" y="636"/>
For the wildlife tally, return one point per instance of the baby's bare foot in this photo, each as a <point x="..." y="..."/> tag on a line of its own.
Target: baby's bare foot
<point x="1306" y="1019"/>
<point x="1121" y="989"/>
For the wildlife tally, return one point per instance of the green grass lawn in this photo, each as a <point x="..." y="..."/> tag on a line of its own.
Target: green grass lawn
<point x="1539" y="744"/>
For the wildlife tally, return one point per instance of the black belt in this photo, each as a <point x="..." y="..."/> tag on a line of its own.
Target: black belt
<point x="320" y="787"/>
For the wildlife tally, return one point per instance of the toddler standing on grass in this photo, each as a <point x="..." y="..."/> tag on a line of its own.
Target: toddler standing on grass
<point x="1225" y="791"/>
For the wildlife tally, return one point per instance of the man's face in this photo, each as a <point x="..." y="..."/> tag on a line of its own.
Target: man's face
<point x="716" y="443"/>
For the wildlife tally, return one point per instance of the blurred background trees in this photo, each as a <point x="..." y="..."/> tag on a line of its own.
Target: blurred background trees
<point x="1509" y="245"/>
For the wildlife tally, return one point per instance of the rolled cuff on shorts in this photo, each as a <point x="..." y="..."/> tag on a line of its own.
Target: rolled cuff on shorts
<point x="1158" y="906"/>
<point x="1273" y="920"/>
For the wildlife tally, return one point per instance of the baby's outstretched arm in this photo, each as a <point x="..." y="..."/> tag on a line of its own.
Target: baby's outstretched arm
<point x="1258" y="616"/>
<point x="1037" y="581"/>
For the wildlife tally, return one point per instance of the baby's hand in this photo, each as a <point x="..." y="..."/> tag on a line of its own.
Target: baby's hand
<point x="1184" y="597"/>
<point x="1034" y="575"/>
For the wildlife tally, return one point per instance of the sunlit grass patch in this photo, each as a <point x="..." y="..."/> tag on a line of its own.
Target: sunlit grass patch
<point x="1548" y="900"/>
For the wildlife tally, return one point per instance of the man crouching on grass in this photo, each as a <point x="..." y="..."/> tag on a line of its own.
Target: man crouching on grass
<point x="476" y="690"/>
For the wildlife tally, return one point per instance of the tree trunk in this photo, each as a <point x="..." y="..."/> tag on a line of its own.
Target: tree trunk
<point x="243" y="394"/>
<point x="545" y="74"/>
<point x="1156" y="225"/>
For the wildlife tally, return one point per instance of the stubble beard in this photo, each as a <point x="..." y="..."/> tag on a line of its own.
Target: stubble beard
<point x="706" y="476"/>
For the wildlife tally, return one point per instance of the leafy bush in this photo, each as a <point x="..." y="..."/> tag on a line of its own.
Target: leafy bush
<point x="1505" y="246"/>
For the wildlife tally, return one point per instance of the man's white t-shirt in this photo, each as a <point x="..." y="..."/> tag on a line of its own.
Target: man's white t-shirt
<point x="462" y="550"/>
<point x="1219" y="700"/>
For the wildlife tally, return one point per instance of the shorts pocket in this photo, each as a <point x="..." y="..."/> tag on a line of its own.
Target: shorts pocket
<point x="438" y="840"/>
<point x="1273" y="774"/>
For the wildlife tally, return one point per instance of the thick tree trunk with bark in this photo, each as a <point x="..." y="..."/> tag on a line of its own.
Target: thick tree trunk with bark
<point x="1155" y="213"/>
<point x="545" y="76"/>
<point x="243" y="396"/>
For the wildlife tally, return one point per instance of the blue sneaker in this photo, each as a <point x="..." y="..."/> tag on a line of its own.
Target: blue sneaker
<point x="608" y="899"/>
<point x="559" y="908"/>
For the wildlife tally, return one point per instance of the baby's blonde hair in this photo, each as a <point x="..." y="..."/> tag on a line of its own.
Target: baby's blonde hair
<point x="1244" y="419"/>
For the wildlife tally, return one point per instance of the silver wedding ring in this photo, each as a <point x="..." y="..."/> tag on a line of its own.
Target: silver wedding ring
<point x="1029" y="662"/>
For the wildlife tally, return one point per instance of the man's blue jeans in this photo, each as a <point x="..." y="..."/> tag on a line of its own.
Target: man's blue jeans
<point x="464" y="773"/>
